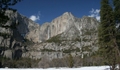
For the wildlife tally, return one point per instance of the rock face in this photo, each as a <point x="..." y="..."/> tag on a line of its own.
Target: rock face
<point x="26" y="27"/>
<point x="64" y="35"/>
<point x="64" y="23"/>
<point x="57" y="26"/>
<point x="21" y="28"/>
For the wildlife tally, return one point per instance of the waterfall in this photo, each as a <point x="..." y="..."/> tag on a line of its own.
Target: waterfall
<point x="48" y="34"/>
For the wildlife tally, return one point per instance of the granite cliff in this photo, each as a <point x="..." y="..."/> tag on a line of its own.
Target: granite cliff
<point x="64" y="35"/>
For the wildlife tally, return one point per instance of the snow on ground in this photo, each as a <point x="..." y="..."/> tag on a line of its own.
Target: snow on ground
<point x="80" y="68"/>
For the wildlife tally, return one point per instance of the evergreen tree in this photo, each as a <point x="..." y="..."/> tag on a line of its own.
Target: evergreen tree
<point x="117" y="20"/>
<point x="117" y="10"/>
<point x="5" y="5"/>
<point x="116" y="4"/>
<point x="70" y="61"/>
<point x="106" y="34"/>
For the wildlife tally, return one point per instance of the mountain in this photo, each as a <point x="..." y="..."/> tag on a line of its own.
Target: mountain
<point x="21" y="27"/>
<point x="62" y="36"/>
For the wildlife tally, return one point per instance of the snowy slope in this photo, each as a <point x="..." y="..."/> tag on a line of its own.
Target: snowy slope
<point x="80" y="68"/>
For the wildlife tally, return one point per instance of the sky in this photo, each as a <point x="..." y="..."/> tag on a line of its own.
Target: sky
<point x="42" y="11"/>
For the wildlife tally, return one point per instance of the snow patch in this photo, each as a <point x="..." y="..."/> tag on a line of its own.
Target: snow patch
<point x="80" y="68"/>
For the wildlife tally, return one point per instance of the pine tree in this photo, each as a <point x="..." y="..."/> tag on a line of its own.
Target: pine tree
<point x="106" y="33"/>
<point x="117" y="10"/>
<point x="116" y="4"/>
<point x="70" y="61"/>
<point x="117" y="20"/>
<point x="5" y="5"/>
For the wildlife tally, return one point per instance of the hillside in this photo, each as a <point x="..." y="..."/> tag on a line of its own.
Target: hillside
<point x="64" y="36"/>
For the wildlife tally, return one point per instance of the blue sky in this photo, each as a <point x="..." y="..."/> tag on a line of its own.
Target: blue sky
<point x="42" y="11"/>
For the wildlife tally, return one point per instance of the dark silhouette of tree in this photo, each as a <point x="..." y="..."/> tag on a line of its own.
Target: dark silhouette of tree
<point x="116" y="4"/>
<point x="107" y="35"/>
<point x="5" y="5"/>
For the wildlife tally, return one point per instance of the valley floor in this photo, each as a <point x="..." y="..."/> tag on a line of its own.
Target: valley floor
<point x="80" y="68"/>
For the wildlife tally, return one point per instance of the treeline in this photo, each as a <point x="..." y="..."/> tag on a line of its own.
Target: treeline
<point x="67" y="61"/>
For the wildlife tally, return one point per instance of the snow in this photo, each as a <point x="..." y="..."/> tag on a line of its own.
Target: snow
<point x="80" y="68"/>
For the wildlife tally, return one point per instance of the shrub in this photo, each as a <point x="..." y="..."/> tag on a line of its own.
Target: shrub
<point x="48" y="50"/>
<point x="44" y="63"/>
<point x="55" y="39"/>
<point x="71" y="50"/>
<point x="85" y="40"/>
<point x="77" y="61"/>
<point x="87" y="33"/>
<point x="27" y="42"/>
<point x="70" y="61"/>
<point x="21" y="63"/>
<point x="5" y="35"/>
<point x="77" y="39"/>
<point x="58" y="62"/>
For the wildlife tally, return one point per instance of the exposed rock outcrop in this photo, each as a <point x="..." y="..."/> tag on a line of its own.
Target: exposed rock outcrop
<point x="12" y="38"/>
<point x="66" y="35"/>
<point x="26" y="27"/>
<point x="56" y="39"/>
